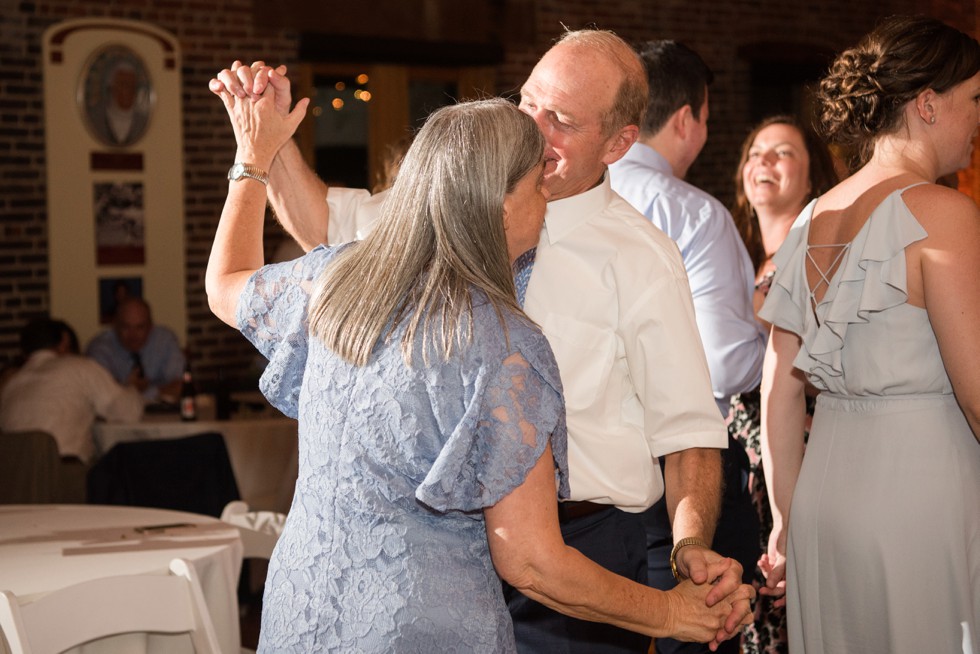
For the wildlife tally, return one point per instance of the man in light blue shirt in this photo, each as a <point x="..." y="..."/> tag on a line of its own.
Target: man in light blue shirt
<point x="139" y="353"/>
<point x="650" y="177"/>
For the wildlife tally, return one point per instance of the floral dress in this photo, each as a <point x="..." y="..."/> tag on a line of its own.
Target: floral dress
<point x="767" y="634"/>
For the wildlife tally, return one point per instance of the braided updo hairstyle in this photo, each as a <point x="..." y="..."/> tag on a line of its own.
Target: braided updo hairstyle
<point x="865" y="93"/>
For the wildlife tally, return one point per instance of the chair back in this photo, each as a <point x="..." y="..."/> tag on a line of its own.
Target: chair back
<point x="29" y="468"/>
<point x="75" y="615"/>
<point x="259" y="530"/>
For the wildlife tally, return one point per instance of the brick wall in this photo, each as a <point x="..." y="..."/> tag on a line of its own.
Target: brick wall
<point x="213" y="33"/>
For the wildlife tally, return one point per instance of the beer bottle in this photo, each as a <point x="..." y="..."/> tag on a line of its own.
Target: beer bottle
<point x="188" y="401"/>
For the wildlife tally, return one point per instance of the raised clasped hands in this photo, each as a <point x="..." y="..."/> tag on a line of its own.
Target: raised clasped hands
<point x="252" y="82"/>
<point x="717" y="581"/>
<point x="258" y="99"/>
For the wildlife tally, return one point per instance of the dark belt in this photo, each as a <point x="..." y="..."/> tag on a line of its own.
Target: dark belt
<point x="568" y="511"/>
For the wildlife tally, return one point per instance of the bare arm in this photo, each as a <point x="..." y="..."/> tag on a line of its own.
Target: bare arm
<point x="693" y="480"/>
<point x="783" y="420"/>
<point x="260" y="130"/>
<point x="529" y="553"/>
<point x="297" y="195"/>
<point x="950" y="269"/>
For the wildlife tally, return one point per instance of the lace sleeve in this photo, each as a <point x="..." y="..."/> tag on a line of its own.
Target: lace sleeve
<point x="272" y="315"/>
<point x="516" y="411"/>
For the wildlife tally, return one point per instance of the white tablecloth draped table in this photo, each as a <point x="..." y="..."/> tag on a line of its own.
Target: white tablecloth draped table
<point x="45" y="547"/>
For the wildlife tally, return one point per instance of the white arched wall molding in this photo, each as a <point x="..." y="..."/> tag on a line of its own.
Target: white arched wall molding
<point x="78" y="162"/>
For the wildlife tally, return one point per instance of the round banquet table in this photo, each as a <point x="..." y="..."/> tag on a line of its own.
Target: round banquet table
<point x="45" y="547"/>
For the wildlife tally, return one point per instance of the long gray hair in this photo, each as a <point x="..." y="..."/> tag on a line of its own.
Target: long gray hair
<point x="441" y="234"/>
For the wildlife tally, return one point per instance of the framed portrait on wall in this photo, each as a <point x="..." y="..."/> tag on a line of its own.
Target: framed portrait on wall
<point x="112" y="292"/>
<point x="116" y="96"/>
<point x="119" y="223"/>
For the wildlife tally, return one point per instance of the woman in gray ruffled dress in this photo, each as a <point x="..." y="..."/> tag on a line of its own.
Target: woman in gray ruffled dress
<point x="876" y="538"/>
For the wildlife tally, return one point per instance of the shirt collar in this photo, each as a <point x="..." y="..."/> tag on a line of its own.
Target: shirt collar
<point x="644" y="154"/>
<point x="40" y="356"/>
<point x="563" y="216"/>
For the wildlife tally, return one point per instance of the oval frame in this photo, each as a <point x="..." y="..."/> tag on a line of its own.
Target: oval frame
<point x="116" y="96"/>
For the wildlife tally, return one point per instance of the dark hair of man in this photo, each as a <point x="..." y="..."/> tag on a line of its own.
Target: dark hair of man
<point x="677" y="76"/>
<point x="67" y="331"/>
<point x="39" y="334"/>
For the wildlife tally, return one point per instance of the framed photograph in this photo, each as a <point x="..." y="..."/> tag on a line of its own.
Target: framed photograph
<point x="119" y="223"/>
<point x="112" y="291"/>
<point x="116" y="96"/>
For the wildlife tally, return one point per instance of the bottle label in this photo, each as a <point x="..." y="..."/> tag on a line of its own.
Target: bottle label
<point x="188" y="410"/>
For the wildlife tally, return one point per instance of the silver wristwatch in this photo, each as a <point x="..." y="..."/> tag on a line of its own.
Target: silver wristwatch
<point x="240" y="170"/>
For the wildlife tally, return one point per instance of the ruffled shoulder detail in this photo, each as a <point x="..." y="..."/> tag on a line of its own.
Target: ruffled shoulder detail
<point x="872" y="278"/>
<point x="787" y="299"/>
<point x="516" y="410"/>
<point x="272" y="314"/>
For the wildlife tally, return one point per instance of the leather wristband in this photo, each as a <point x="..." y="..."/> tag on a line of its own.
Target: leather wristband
<point x="682" y="543"/>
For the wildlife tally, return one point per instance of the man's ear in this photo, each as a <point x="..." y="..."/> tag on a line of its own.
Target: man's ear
<point x="64" y="345"/>
<point x="619" y="143"/>
<point x="682" y="121"/>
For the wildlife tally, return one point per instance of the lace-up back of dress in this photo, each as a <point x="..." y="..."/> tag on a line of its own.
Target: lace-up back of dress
<point x="822" y="263"/>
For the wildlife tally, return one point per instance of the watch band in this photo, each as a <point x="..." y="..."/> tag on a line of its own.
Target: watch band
<point x="684" y="542"/>
<point x="240" y="170"/>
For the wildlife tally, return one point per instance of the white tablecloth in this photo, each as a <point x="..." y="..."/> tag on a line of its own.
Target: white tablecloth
<point x="263" y="451"/>
<point x="44" y="547"/>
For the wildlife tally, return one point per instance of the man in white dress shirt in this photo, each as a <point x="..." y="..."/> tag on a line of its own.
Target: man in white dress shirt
<point x="63" y="394"/>
<point x="650" y="177"/>
<point x="610" y="293"/>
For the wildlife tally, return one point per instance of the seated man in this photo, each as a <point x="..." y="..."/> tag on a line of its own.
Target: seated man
<point x="63" y="394"/>
<point x="139" y="353"/>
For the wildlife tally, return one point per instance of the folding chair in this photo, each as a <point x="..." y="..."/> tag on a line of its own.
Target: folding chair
<point x="259" y="529"/>
<point x="75" y="615"/>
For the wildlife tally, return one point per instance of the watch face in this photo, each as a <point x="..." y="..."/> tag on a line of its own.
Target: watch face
<point x="237" y="171"/>
<point x="115" y="96"/>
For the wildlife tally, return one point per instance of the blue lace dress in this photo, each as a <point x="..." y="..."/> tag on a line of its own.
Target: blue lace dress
<point x="884" y="535"/>
<point x="385" y="547"/>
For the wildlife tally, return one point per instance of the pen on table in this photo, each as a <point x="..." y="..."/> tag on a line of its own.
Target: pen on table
<point x="172" y="525"/>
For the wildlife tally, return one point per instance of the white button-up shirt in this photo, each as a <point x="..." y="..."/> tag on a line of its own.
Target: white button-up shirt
<point x="611" y="295"/>
<point x="63" y="395"/>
